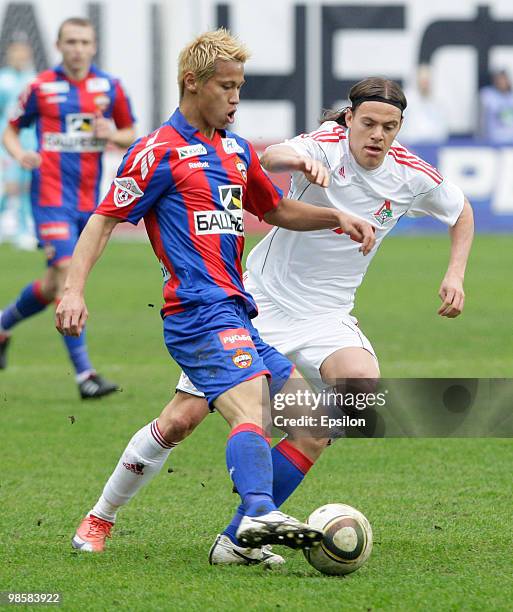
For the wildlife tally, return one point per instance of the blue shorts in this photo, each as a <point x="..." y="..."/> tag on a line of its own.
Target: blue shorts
<point x="218" y="348"/>
<point x="58" y="230"/>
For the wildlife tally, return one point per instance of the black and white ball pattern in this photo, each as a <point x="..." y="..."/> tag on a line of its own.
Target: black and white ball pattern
<point x="347" y="541"/>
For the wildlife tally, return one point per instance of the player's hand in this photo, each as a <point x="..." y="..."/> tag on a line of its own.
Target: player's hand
<point x="71" y="315"/>
<point x="13" y="189"/>
<point x="358" y="230"/>
<point x="315" y="171"/>
<point x="452" y="295"/>
<point x="29" y="160"/>
<point x="103" y="128"/>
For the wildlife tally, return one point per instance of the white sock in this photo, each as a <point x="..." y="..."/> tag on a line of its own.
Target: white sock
<point x="141" y="460"/>
<point x="84" y="376"/>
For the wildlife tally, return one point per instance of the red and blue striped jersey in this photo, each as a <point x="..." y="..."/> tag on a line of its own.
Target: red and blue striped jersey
<point x="192" y="192"/>
<point x="64" y="111"/>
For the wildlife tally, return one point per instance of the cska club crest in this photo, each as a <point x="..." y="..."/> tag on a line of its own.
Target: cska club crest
<point x="241" y="167"/>
<point x="242" y="359"/>
<point x="126" y="191"/>
<point x="384" y="214"/>
<point x="102" y="102"/>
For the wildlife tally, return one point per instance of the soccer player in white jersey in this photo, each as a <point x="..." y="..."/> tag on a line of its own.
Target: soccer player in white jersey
<point x="305" y="284"/>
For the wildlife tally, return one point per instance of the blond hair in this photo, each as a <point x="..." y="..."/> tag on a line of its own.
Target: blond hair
<point x="200" y="56"/>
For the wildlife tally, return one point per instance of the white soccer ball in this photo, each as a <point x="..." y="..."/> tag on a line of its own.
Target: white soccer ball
<point x="347" y="541"/>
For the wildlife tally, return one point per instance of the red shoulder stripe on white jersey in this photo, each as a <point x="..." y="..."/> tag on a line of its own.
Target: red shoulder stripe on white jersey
<point x="315" y="133"/>
<point x="428" y="169"/>
<point x="402" y="149"/>
<point x="329" y="136"/>
<point x="326" y="139"/>
<point x="405" y="154"/>
<point x="419" y="164"/>
<point x="336" y="133"/>
<point x="412" y="164"/>
<point x="340" y="129"/>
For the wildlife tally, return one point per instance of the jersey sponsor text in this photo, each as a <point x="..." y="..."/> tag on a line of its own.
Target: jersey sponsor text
<point x="72" y="143"/>
<point x="235" y="339"/>
<point x="191" y="151"/>
<point x="218" y="222"/>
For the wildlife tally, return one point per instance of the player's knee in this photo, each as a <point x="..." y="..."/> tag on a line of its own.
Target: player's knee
<point x="181" y="416"/>
<point x="53" y="282"/>
<point x="49" y="287"/>
<point x="358" y="380"/>
<point x="175" y="427"/>
<point x="311" y="447"/>
<point x="60" y="270"/>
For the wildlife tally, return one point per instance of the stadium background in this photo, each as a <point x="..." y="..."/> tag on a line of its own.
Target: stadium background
<point x="319" y="48"/>
<point x="440" y="508"/>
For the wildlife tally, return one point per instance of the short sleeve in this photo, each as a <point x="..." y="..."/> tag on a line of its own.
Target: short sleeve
<point x="303" y="145"/>
<point x="262" y="195"/>
<point x="25" y="111"/>
<point x="312" y="144"/>
<point x="443" y="202"/>
<point x="122" y="108"/>
<point x="138" y="185"/>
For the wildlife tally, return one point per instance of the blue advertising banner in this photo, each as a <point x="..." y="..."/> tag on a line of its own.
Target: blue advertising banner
<point x="484" y="172"/>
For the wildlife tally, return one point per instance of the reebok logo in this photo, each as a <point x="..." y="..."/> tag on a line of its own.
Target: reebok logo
<point x="146" y="156"/>
<point x="193" y="165"/>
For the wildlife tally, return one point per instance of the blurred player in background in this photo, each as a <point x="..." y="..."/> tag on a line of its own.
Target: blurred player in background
<point x="78" y="109"/>
<point x="426" y="118"/>
<point x="16" y="223"/>
<point x="191" y="180"/>
<point x="496" y="109"/>
<point x="305" y="285"/>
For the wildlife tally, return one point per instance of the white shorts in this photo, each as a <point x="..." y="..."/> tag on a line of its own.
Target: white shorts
<point x="306" y="342"/>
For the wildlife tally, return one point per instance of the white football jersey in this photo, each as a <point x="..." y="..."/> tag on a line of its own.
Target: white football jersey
<point x="318" y="272"/>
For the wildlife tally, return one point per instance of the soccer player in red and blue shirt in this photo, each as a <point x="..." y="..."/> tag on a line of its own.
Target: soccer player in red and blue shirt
<point x="191" y="180"/>
<point x="77" y="110"/>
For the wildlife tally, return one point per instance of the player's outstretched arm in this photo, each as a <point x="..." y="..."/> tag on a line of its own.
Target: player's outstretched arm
<point x="122" y="137"/>
<point x="281" y="158"/>
<point x="451" y="290"/>
<point x="11" y="141"/>
<point x="303" y="217"/>
<point x="71" y="314"/>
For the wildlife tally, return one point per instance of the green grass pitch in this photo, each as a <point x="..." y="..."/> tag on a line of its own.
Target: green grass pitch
<point x="440" y="508"/>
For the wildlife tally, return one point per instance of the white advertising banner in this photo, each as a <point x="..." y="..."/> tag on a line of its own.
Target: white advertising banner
<point x="305" y="55"/>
